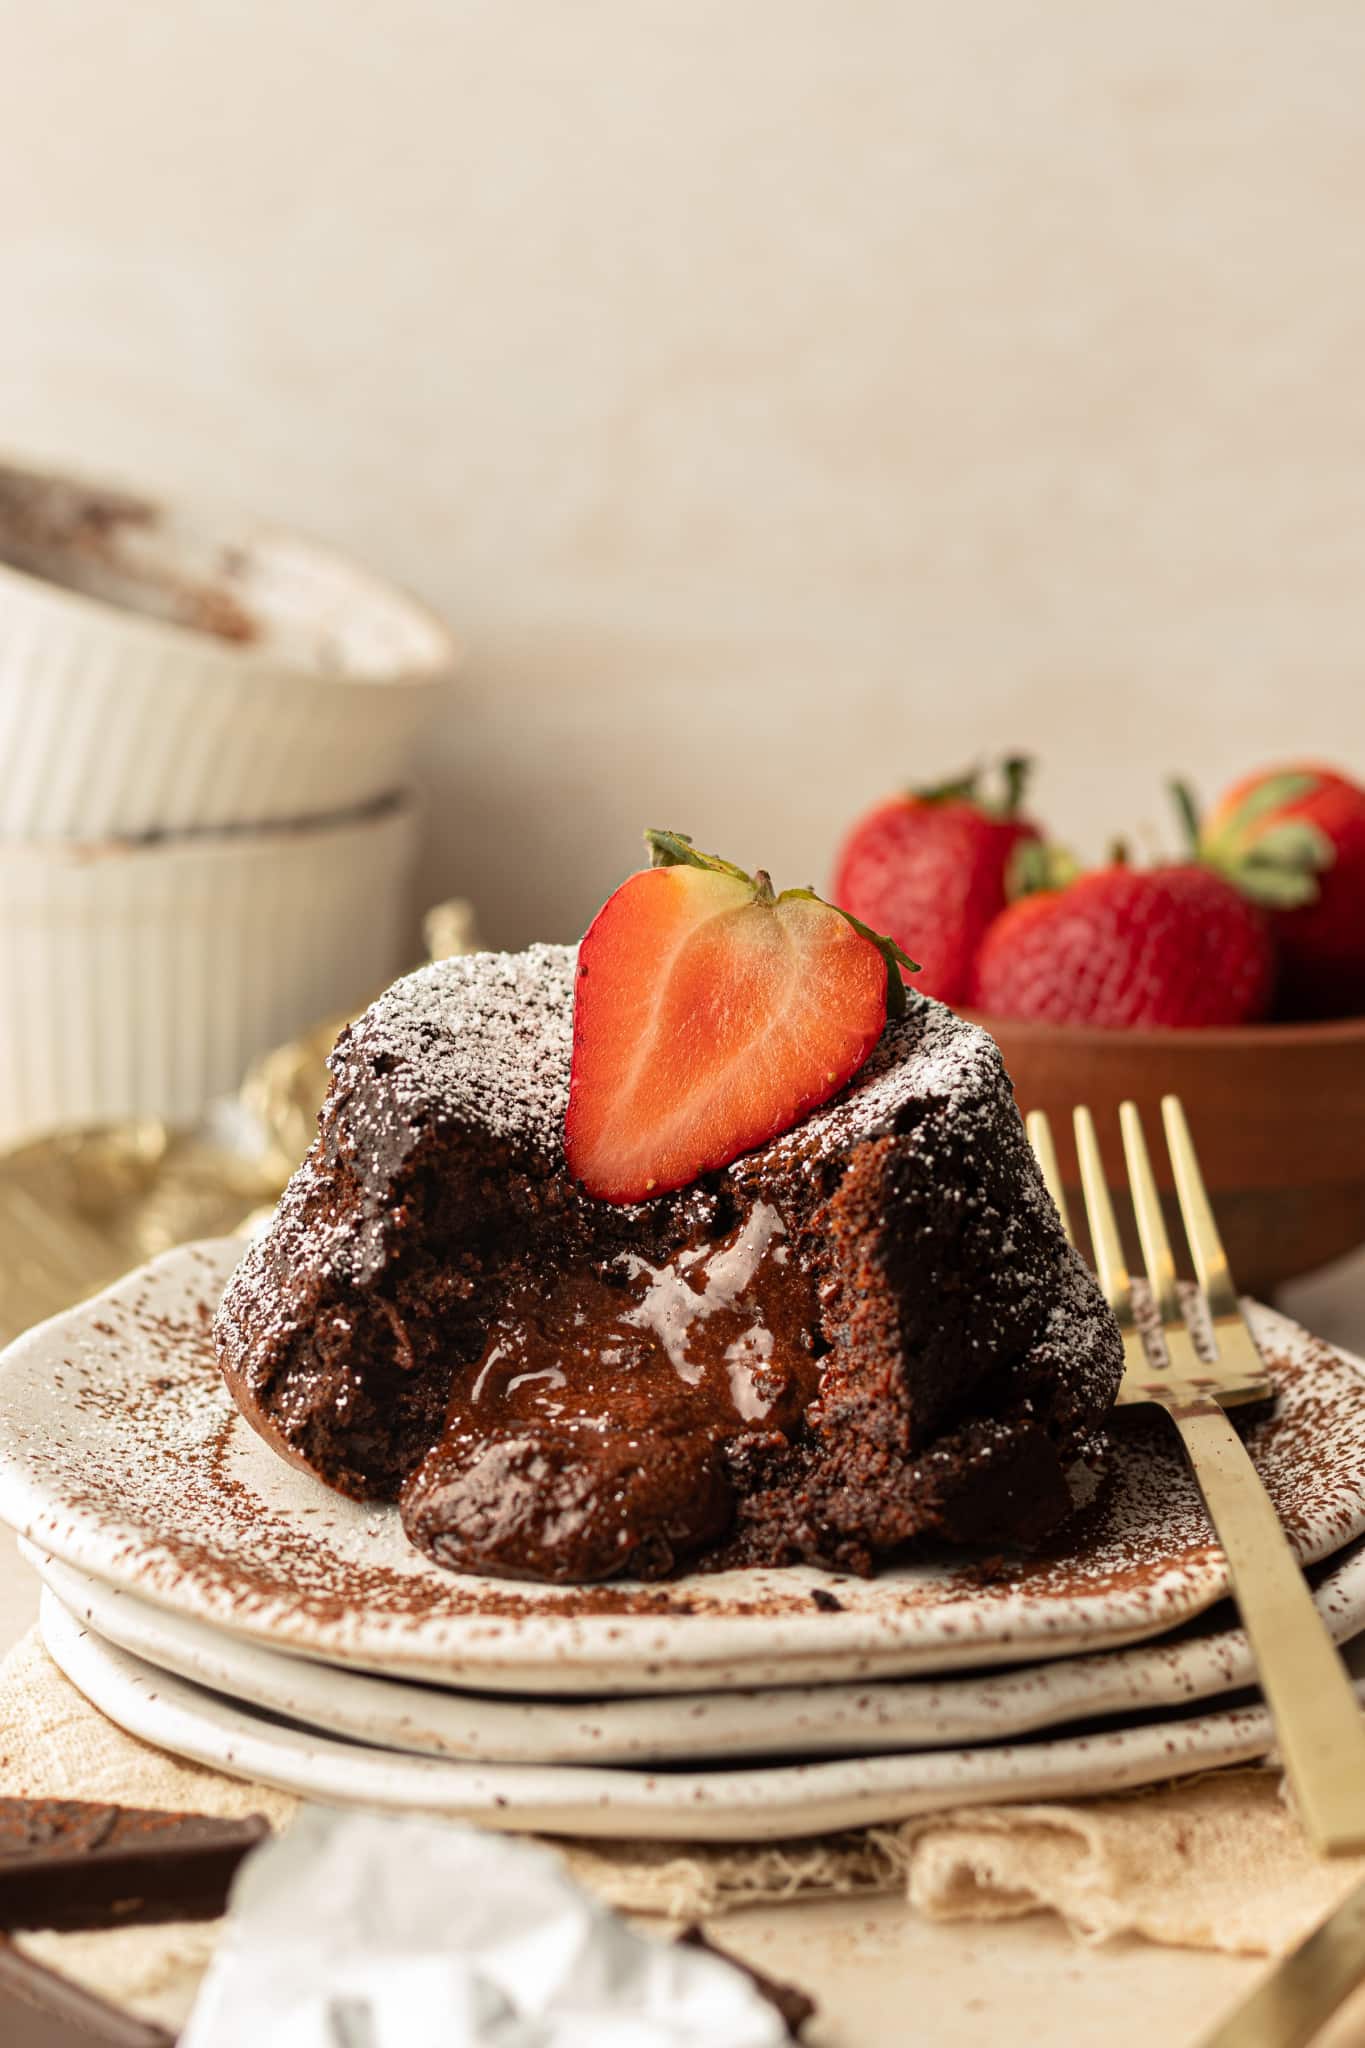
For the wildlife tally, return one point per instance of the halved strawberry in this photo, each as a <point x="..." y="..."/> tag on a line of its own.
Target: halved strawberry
<point x="711" y="1014"/>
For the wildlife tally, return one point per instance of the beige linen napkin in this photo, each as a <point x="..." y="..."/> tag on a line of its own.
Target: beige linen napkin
<point x="1217" y="1862"/>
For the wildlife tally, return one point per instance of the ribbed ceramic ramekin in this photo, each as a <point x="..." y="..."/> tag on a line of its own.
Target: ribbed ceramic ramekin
<point x="165" y="672"/>
<point x="141" y="980"/>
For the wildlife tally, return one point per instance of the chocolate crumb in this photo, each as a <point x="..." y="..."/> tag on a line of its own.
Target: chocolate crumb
<point x="793" y="2006"/>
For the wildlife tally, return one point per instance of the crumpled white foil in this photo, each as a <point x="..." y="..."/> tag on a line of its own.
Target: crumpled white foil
<point x="370" y="1930"/>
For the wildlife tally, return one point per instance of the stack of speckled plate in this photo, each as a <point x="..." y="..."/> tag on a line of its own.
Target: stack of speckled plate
<point x="215" y="1601"/>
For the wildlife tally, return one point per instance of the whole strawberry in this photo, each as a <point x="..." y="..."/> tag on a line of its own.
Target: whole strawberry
<point x="933" y="864"/>
<point x="1295" y="839"/>
<point x="1166" y="948"/>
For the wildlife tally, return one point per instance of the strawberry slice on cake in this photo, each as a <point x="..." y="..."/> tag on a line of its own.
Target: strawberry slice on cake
<point x="711" y="1014"/>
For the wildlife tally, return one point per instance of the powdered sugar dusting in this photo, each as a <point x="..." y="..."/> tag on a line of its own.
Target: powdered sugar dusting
<point x="928" y="1055"/>
<point x="487" y="1039"/>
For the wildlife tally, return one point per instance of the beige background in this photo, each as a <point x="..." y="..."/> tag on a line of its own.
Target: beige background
<point x="783" y="398"/>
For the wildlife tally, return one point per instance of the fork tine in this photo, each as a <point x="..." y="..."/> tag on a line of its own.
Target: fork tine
<point x="1105" y="1242"/>
<point x="1040" y="1137"/>
<point x="1206" y="1246"/>
<point x="1244" y="1373"/>
<point x="1156" y="1245"/>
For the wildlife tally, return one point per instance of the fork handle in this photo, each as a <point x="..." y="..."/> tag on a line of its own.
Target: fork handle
<point x="1302" y="1991"/>
<point x="1318" y="1720"/>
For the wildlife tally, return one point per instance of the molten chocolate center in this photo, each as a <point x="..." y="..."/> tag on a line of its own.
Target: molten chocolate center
<point x="596" y="1432"/>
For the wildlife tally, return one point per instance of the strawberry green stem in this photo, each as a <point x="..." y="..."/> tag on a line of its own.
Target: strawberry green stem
<point x="1187" y="810"/>
<point x="1037" y="865"/>
<point x="676" y="850"/>
<point x="1273" y="860"/>
<point x="1015" y="770"/>
<point x="957" y="788"/>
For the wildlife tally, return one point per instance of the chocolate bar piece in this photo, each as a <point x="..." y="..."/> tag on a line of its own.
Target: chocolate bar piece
<point x="72" y="1863"/>
<point x="793" y="2007"/>
<point x="39" y="2009"/>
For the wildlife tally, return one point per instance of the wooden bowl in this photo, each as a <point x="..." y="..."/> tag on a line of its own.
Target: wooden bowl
<point x="1277" y="1112"/>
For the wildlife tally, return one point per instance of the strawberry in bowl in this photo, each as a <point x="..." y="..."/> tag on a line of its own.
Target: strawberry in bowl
<point x="1128" y="983"/>
<point x="1167" y="948"/>
<point x="1295" y="838"/>
<point x="931" y="867"/>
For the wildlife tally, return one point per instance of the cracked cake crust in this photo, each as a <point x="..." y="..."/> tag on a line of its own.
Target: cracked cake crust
<point x="963" y="1358"/>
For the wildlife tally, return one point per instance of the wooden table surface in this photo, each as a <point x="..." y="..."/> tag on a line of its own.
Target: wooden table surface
<point x="884" y="1977"/>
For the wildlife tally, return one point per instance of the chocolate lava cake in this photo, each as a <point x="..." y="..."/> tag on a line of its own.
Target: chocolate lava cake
<point x="869" y="1330"/>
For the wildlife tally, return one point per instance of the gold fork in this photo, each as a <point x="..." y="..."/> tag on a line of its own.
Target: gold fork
<point x="1318" y="1722"/>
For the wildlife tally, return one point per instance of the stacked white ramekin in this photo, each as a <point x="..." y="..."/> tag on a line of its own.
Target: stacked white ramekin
<point x="206" y="840"/>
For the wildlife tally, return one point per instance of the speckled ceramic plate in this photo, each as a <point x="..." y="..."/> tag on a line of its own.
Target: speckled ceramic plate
<point x="745" y="1803"/>
<point x="121" y="1453"/>
<point x="1205" y="1659"/>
